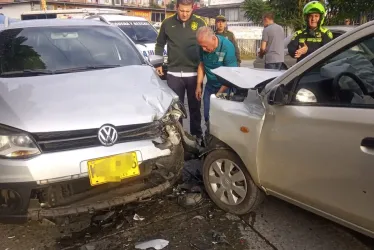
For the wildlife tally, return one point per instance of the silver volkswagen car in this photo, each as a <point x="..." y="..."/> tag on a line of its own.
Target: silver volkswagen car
<point x="85" y="122"/>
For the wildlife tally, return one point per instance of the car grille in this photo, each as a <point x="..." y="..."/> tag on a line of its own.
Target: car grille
<point x="77" y="139"/>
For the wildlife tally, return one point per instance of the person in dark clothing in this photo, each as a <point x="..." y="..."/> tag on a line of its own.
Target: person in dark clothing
<point x="221" y="29"/>
<point x="179" y="33"/>
<point x="305" y="42"/>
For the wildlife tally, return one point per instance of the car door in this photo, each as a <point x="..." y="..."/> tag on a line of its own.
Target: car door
<point x="317" y="150"/>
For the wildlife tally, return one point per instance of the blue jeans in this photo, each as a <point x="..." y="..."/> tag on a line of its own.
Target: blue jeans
<point x="208" y="91"/>
<point x="277" y="66"/>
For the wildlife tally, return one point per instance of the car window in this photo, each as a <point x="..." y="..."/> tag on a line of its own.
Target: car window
<point x="60" y="48"/>
<point x="369" y="44"/>
<point x="139" y="32"/>
<point x="345" y="79"/>
<point x="336" y="34"/>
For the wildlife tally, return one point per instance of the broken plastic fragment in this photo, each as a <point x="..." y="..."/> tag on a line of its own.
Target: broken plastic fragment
<point x="199" y="217"/>
<point x="152" y="244"/>
<point x="190" y="200"/>
<point x="137" y="217"/>
<point x="219" y="238"/>
<point x="104" y="218"/>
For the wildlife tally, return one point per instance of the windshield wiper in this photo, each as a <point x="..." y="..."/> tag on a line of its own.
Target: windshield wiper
<point x="27" y="72"/>
<point x="143" y="40"/>
<point x="93" y="67"/>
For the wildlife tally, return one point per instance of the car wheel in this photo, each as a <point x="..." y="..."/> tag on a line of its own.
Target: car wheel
<point x="229" y="184"/>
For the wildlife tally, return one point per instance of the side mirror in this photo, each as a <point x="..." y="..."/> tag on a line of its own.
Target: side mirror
<point x="156" y="61"/>
<point x="277" y="96"/>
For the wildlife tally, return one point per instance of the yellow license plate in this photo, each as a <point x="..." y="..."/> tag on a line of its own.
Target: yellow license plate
<point x="113" y="169"/>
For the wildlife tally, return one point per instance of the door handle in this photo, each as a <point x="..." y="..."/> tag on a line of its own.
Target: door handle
<point x="368" y="142"/>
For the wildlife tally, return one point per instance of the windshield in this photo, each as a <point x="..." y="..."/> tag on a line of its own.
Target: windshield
<point x="139" y="32"/>
<point x="60" y="49"/>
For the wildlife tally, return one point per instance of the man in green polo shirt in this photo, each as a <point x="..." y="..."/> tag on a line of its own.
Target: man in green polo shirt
<point x="215" y="51"/>
<point x="221" y="29"/>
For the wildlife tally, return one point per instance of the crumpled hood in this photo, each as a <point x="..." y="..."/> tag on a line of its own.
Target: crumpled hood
<point x="118" y="96"/>
<point x="245" y="78"/>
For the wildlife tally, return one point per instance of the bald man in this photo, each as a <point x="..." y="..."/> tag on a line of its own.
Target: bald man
<point x="215" y="51"/>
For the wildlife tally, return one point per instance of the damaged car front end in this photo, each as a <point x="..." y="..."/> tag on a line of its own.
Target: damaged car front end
<point x="230" y="169"/>
<point x="154" y="151"/>
<point x="99" y="131"/>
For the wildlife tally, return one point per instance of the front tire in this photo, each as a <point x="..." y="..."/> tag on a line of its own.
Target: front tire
<point x="229" y="184"/>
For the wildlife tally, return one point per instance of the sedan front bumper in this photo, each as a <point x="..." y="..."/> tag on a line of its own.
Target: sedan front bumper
<point x="57" y="184"/>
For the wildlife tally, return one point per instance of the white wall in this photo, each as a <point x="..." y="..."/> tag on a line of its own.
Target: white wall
<point x="234" y="14"/>
<point x="15" y="10"/>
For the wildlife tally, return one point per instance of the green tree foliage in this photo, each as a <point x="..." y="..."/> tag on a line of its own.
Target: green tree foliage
<point x="254" y="9"/>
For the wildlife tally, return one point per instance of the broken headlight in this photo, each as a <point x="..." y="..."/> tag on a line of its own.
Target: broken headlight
<point x="176" y="111"/>
<point x="15" y="144"/>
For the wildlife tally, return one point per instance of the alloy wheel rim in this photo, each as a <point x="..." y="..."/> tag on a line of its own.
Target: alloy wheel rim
<point x="228" y="182"/>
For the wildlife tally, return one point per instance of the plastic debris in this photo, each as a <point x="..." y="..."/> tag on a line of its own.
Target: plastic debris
<point x="138" y="218"/>
<point x="89" y="246"/>
<point x="210" y="214"/>
<point x="152" y="244"/>
<point x="199" y="217"/>
<point x="219" y="238"/>
<point x="200" y="246"/>
<point x="11" y="237"/>
<point x="46" y="222"/>
<point x="232" y="217"/>
<point x="190" y="200"/>
<point x="104" y="218"/>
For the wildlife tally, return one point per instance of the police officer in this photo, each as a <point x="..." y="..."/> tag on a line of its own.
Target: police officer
<point x="222" y="31"/>
<point x="304" y="42"/>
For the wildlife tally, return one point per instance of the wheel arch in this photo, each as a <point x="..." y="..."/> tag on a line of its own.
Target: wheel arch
<point x="255" y="193"/>
<point x="213" y="143"/>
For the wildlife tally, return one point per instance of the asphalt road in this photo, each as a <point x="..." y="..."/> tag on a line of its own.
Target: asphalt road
<point x="274" y="225"/>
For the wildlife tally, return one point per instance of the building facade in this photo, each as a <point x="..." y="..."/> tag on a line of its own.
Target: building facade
<point x="229" y="8"/>
<point x="141" y="8"/>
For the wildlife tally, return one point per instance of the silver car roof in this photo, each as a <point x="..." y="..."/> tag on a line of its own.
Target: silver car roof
<point x="54" y="22"/>
<point x="344" y="28"/>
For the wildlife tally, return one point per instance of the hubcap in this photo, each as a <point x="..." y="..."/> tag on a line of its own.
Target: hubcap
<point x="228" y="182"/>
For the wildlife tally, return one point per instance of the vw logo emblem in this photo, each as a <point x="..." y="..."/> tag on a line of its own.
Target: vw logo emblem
<point x="107" y="135"/>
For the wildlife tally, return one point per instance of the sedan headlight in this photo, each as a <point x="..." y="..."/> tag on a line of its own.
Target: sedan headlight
<point x="14" y="144"/>
<point x="176" y="111"/>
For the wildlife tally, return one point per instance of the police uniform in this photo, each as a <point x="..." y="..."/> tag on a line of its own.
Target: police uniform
<point x="229" y="35"/>
<point x="314" y="39"/>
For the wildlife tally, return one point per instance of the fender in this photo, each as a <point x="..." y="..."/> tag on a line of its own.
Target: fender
<point x="212" y="143"/>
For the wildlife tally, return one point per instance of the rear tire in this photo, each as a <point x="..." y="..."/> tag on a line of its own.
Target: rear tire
<point x="229" y="184"/>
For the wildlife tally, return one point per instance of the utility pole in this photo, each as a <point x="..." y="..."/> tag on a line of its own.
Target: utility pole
<point x="43" y="4"/>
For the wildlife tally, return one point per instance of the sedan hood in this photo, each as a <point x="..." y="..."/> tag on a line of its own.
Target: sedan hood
<point x="117" y="96"/>
<point x="245" y="78"/>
